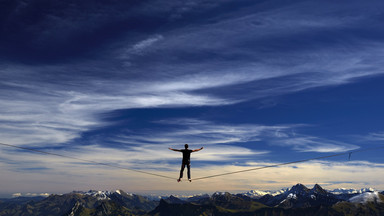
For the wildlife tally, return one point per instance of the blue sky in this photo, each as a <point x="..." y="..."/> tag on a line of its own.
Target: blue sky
<point x="254" y="82"/>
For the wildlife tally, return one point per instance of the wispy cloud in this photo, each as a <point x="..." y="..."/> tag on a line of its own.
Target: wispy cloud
<point x="201" y="132"/>
<point x="303" y="143"/>
<point x="30" y="194"/>
<point x="140" y="47"/>
<point x="377" y="136"/>
<point x="34" y="112"/>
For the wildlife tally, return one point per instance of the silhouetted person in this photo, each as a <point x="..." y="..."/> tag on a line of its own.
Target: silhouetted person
<point x="186" y="160"/>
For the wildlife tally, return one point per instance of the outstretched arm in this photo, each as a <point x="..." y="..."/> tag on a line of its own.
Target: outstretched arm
<point x="197" y="149"/>
<point x="174" y="149"/>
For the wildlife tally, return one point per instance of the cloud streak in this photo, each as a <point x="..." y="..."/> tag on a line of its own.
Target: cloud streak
<point x="201" y="132"/>
<point x="314" y="144"/>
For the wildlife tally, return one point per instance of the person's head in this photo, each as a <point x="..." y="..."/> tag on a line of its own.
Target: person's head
<point x="186" y="146"/>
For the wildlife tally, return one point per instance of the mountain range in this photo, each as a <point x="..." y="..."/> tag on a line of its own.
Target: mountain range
<point x="298" y="200"/>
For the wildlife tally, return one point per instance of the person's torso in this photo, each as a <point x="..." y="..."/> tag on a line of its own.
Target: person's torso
<point x="186" y="155"/>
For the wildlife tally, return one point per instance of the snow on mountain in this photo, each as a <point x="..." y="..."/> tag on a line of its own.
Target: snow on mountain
<point x="101" y="195"/>
<point x="351" y="191"/>
<point x="219" y="193"/>
<point x="338" y="191"/>
<point x="291" y="196"/>
<point x="255" y="193"/>
<point x="258" y="193"/>
<point x="366" y="197"/>
<point x="299" y="196"/>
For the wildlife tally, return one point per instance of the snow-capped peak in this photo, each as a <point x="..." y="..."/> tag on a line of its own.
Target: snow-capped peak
<point x="218" y="193"/>
<point x="351" y="191"/>
<point x="255" y="193"/>
<point x="258" y="193"/>
<point x="100" y="195"/>
<point x="291" y="196"/>
<point x="366" y="197"/>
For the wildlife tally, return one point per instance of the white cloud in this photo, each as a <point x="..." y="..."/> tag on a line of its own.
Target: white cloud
<point x="33" y="114"/>
<point x="303" y="143"/>
<point x="377" y="136"/>
<point x="146" y="155"/>
<point x="36" y="194"/>
<point x="30" y="115"/>
<point x="16" y="195"/>
<point x="200" y="132"/>
<point x="139" y="47"/>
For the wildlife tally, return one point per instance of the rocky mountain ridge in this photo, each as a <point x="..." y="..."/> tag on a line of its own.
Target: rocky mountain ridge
<point x="298" y="200"/>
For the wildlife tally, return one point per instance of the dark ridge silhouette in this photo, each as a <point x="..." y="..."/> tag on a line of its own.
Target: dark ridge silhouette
<point x="298" y="200"/>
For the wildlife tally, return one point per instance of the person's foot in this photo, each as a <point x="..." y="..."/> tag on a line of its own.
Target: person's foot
<point x="189" y="180"/>
<point x="178" y="180"/>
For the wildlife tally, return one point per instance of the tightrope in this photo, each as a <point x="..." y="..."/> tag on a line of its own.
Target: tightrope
<point x="287" y="163"/>
<point x="88" y="161"/>
<point x="199" y="178"/>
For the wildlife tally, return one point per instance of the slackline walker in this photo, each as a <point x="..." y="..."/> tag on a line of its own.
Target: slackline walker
<point x="186" y="160"/>
<point x="199" y="178"/>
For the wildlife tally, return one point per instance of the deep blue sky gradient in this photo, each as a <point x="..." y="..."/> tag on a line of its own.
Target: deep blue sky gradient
<point x="255" y="82"/>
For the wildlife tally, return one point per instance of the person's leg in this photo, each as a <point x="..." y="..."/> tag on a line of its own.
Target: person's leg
<point x="182" y="170"/>
<point x="189" y="171"/>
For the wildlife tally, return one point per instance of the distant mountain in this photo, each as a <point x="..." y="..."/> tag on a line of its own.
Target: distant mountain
<point x="368" y="203"/>
<point x="351" y="191"/>
<point x="217" y="204"/>
<point x="299" y="196"/>
<point x="338" y="191"/>
<point x="15" y="203"/>
<point x="22" y="200"/>
<point x="84" y="203"/>
<point x="225" y="204"/>
<point x="198" y="198"/>
<point x="174" y="200"/>
<point x="298" y="200"/>
<point x="52" y="205"/>
<point x="186" y="209"/>
<point x="367" y="197"/>
<point x="346" y="194"/>
<point x="234" y="202"/>
<point x="258" y="193"/>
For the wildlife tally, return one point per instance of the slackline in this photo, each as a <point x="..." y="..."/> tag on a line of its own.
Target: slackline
<point x="88" y="161"/>
<point x="195" y="179"/>
<point x="287" y="163"/>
